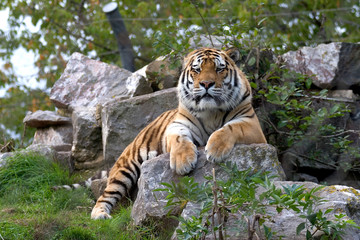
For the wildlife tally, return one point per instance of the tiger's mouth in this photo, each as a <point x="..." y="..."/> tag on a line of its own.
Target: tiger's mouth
<point x="206" y="96"/>
<point x="208" y="100"/>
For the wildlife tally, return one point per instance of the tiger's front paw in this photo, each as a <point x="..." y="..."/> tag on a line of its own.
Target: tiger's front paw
<point x="183" y="157"/>
<point x="218" y="146"/>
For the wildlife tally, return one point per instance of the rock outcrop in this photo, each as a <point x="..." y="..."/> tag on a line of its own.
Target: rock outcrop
<point x="333" y="65"/>
<point x="150" y="205"/>
<point x="89" y="89"/>
<point x="86" y="82"/>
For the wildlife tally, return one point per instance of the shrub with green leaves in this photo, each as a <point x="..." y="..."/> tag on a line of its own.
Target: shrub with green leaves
<point x="247" y="197"/>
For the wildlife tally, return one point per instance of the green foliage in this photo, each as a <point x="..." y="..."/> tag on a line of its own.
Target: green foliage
<point x="298" y="118"/>
<point x="183" y="192"/>
<point x="239" y="197"/>
<point x="298" y="111"/>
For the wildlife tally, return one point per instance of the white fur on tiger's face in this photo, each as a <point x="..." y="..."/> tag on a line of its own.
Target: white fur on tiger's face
<point x="214" y="111"/>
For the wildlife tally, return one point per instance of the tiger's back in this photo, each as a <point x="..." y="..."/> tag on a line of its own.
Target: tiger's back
<point x="214" y="111"/>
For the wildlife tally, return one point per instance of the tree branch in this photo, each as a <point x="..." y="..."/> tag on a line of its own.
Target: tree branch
<point x="203" y="20"/>
<point x="78" y="36"/>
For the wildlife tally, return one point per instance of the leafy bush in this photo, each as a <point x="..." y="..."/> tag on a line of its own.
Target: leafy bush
<point x="240" y="197"/>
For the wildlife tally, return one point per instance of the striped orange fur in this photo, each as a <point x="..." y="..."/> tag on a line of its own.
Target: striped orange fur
<point x="214" y="111"/>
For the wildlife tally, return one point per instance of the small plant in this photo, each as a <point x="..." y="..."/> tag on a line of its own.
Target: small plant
<point x="240" y="197"/>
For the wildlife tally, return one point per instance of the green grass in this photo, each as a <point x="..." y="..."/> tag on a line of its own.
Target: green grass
<point x="29" y="209"/>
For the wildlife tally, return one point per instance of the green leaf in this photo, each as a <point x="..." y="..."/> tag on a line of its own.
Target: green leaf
<point x="329" y="210"/>
<point x="261" y="21"/>
<point x="300" y="227"/>
<point x="253" y="85"/>
<point x="268" y="232"/>
<point x="312" y="218"/>
<point x="251" y="61"/>
<point x="308" y="83"/>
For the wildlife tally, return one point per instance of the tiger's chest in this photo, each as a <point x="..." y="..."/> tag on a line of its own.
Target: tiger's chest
<point x="209" y="122"/>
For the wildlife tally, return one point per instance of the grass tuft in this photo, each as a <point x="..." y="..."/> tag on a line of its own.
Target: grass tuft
<point x="30" y="171"/>
<point x="30" y="209"/>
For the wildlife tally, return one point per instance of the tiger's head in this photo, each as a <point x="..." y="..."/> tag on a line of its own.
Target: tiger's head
<point x="212" y="81"/>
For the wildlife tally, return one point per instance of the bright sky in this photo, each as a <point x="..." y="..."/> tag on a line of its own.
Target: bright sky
<point x="22" y="60"/>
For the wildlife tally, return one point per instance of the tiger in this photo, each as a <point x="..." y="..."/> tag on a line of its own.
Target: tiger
<point x="214" y="112"/>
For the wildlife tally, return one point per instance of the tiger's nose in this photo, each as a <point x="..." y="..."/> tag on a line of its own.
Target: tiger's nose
<point x="207" y="84"/>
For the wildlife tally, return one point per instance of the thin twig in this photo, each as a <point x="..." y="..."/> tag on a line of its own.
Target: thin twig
<point x="310" y="158"/>
<point x="326" y="98"/>
<point x="257" y="62"/>
<point x="169" y="46"/>
<point x="206" y="27"/>
<point x="213" y="208"/>
<point x="309" y="135"/>
<point x="7" y="147"/>
<point x="248" y="226"/>
<point x="274" y="127"/>
<point x="216" y="210"/>
<point x="340" y="133"/>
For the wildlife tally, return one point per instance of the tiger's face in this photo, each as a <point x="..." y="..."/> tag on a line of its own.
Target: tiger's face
<point x="210" y="81"/>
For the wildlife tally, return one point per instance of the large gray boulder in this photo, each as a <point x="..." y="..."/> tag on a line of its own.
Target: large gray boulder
<point x="150" y="205"/>
<point x="86" y="82"/>
<point x="333" y="65"/>
<point x="122" y="120"/>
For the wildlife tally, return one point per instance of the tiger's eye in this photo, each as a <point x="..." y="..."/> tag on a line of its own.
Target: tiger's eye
<point x="197" y="70"/>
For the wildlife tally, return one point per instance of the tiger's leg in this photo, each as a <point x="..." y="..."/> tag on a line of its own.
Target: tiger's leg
<point x="183" y="152"/>
<point x="223" y="140"/>
<point x="121" y="180"/>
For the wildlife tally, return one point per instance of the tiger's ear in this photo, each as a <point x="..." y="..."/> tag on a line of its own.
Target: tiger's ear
<point x="233" y="53"/>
